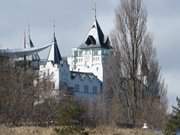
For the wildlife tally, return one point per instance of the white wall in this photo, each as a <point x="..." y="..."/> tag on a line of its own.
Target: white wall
<point x="89" y="60"/>
<point x="61" y="73"/>
<point x="52" y="71"/>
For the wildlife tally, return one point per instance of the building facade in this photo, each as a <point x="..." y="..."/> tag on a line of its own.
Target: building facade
<point x="91" y="54"/>
<point x="83" y="71"/>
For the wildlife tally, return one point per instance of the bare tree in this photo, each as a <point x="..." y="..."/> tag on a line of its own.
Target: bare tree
<point x="129" y="38"/>
<point x="133" y="71"/>
<point x="18" y="92"/>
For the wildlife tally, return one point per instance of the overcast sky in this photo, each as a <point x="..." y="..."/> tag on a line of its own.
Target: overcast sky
<point x="73" y="19"/>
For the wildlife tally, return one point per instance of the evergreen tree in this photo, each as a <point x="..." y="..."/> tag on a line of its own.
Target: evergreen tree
<point x="174" y="121"/>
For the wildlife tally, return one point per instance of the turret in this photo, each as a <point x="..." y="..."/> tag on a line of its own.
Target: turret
<point x="54" y="54"/>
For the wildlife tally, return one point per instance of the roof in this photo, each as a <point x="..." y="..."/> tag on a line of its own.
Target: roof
<point x="96" y="38"/>
<point x="83" y="75"/>
<point x="21" y="52"/>
<point x="54" y="55"/>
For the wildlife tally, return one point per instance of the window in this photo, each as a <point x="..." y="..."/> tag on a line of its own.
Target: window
<point x="80" y="53"/>
<point x="94" y="89"/>
<point x="86" y="89"/>
<point x="90" y="40"/>
<point x="95" y="52"/>
<point x="75" y="53"/>
<point x="76" y="88"/>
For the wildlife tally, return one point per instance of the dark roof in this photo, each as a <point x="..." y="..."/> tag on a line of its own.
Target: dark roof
<point x="96" y="42"/>
<point x="57" y="55"/>
<point x="83" y="75"/>
<point x="35" y="56"/>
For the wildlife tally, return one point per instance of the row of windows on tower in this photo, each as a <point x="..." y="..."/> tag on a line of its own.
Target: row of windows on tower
<point x="81" y="53"/>
<point x="86" y="89"/>
<point x="94" y="59"/>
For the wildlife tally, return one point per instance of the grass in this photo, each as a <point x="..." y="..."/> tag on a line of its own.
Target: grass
<point x="50" y="131"/>
<point x="119" y="131"/>
<point x="26" y="131"/>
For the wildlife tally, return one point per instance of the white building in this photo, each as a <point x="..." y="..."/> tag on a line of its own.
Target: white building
<point x="86" y="82"/>
<point x="52" y="67"/>
<point x="90" y="55"/>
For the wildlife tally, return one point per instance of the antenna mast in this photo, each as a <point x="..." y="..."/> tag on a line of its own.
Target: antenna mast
<point x="94" y="9"/>
<point x="29" y="31"/>
<point x="25" y="60"/>
<point x="24" y="39"/>
<point x="54" y="31"/>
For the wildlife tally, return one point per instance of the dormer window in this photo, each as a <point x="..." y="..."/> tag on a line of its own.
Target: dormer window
<point x="93" y="26"/>
<point x="90" y="40"/>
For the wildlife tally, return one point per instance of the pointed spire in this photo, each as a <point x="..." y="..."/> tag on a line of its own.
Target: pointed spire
<point x="96" y="38"/>
<point x="54" y="55"/>
<point x="35" y="56"/>
<point x="24" y="47"/>
<point x="54" y="34"/>
<point x="29" y="36"/>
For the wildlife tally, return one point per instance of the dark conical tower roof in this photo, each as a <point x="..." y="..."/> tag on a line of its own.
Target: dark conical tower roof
<point x="35" y="56"/>
<point x="54" y="55"/>
<point x="96" y="38"/>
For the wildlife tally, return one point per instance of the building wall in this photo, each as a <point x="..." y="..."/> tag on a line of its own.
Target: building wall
<point x="89" y="60"/>
<point x="65" y="75"/>
<point x="52" y="71"/>
<point x="86" y="87"/>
